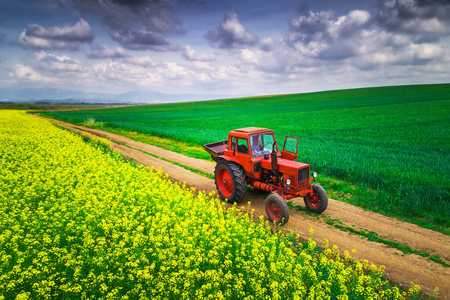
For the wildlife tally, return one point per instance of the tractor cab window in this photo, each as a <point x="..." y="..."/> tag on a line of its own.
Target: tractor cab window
<point x="262" y="144"/>
<point x="242" y="146"/>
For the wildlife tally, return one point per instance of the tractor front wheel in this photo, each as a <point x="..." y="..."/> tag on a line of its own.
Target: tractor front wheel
<point x="318" y="201"/>
<point x="230" y="181"/>
<point x="277" y="209"/>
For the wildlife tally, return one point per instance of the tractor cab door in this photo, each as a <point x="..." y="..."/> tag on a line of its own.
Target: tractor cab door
<point x="241" y="153"/>
<point x="290" y="148"/>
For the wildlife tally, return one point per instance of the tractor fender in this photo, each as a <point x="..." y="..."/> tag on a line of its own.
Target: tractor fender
<point x="228" y="158"/>
<point x="236" y="161"/>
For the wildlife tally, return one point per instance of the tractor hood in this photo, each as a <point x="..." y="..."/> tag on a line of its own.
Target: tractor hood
<point x="285" y="166"/>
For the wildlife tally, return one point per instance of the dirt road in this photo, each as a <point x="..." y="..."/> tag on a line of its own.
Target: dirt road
<point x="400" y="268"/>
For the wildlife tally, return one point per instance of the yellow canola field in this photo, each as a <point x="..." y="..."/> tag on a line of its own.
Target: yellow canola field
<point x="77" y="222"/>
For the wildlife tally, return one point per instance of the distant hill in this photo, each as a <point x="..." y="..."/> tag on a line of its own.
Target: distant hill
<point x="143" y="96"/>
<point x="36" y="94"/>
<point x="27" y="95"/>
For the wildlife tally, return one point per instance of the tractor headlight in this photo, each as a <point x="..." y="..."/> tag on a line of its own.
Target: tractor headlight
<point x="314" y="174"/>
<point x="288" y="181"/>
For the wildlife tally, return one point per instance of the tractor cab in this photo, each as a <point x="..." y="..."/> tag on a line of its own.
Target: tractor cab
<point x="251" y="156"/>
<point x="261" y="141"/>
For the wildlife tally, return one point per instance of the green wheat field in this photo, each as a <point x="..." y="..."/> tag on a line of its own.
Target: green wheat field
<point x="393" y="143"/>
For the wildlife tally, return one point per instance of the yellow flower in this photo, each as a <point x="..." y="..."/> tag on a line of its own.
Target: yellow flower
<point x="94" y="226"/>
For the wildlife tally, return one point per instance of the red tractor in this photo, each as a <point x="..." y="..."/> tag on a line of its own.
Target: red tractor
<point x="251" y="156"/>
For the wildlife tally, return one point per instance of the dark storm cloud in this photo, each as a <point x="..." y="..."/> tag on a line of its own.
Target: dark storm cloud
<point x="81" y="32"/>
<point x="131" y="2"/>
<point x="230" y="34"/>
<point x="311" y="26"/>
<point x="66" y="37"/>
<point x="2" y="35"/>
<point x="415" y="16"/>
<point x="354" y="37"/>
<point x="135" y="24"/>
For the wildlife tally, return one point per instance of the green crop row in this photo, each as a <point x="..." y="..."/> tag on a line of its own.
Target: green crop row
<point x="394" y="141"/>
<point x="78" y="222"/>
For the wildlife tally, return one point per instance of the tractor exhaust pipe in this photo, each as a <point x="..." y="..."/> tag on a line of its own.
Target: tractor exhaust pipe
<point x="262" y="186"/>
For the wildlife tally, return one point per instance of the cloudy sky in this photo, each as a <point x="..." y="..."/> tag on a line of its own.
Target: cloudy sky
<point x="234" y="47"/>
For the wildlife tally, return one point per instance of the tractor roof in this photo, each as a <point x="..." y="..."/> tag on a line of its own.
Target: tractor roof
<point x="245" y="132"/>
<point x="251" y="129"/>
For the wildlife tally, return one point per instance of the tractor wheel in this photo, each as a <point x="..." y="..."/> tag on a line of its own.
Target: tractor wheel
<point x="277" y="209"/>
<point x="230" y="181"/>
<point x="318" y="201"/>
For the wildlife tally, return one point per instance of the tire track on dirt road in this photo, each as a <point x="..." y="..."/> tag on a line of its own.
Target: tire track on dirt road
<point x="400" y="268"/>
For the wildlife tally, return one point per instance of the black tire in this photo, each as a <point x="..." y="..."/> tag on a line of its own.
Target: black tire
<point x="230" y="181"/>
<point x="277" y="209"/>
<point x="318" y="202"/>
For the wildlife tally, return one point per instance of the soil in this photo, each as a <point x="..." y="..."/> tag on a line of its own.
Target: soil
<point x="400" y="268"/>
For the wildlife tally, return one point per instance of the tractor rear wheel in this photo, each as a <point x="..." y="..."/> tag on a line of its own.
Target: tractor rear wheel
<point x="230" y="181"/>
<point x="318" y="201"/>
<point x="277" y="209"/>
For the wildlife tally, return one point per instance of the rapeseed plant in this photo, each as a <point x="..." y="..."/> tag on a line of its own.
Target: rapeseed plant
<point x="77" y="222"/>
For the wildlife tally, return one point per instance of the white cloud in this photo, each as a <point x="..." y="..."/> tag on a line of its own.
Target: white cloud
<point x="323" y="35"/>
<point x="248" y="56"/>
<point x="125" y="77"/>
<point x="267" y="44"/>
<point x="174" y="71"/>
<point x="27" y="73"/>
<point x="140" y="71"/>
<point x="54" y="64"/>
<point x="47" y="68"/>
<point x="230" y="34"/>
<point x="142" y="61"/>
<point x="433" y="25"/>
<point x="102" y="51"/>
<point x="192" y="55"/>
<point x="427" y="51"/>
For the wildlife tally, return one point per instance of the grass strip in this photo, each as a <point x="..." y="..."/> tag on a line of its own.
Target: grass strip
<point x="174" y="163"/>
<point x="154" y="155"/>
<point x="184" y="148"/>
